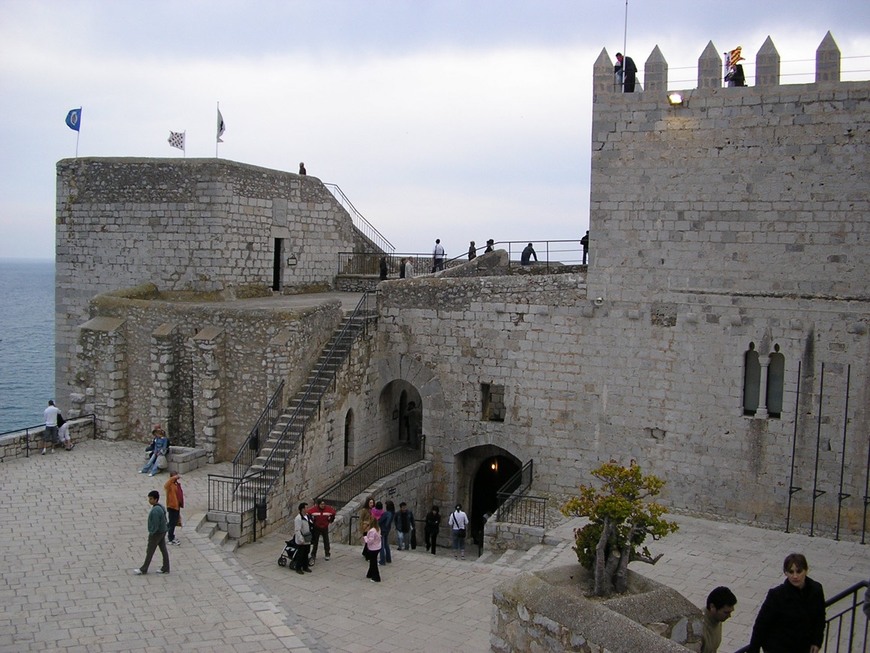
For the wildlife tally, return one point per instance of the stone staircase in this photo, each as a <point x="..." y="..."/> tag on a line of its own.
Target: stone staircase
<point x="293" y="421"/>
<point x="540" y="556"/>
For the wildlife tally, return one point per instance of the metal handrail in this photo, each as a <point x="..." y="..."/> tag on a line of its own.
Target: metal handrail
<point x="846" y="639"/>
<point x="254" y="486"/>
<point x="349" y="332"/>
<point x="359" y="221"/>
<point x="383" y="464"/>
<point x="26" y="431"/>
<point x="250" y="448"/>
<point x="553" y="252"/>
<point x="514" y="505"/>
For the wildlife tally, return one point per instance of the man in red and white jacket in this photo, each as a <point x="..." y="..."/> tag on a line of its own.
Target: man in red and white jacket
<point x="321" y="516"/>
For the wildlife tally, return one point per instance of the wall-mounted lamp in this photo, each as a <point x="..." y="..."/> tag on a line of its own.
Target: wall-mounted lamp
<point x="675" y="99"/>
<point x="291" y="260"/>
<point x="494" y="465"/>
<point x="598" y="301"/>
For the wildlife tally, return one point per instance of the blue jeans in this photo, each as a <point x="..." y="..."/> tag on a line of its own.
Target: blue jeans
<point x="458" y="542"/>
<point x="384" y="555"/>
<point x="151" y="465"/>
<point x="400" y="539"/>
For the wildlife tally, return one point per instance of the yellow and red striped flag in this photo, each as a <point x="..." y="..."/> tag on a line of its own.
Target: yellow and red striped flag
<point x="734" y="56"/>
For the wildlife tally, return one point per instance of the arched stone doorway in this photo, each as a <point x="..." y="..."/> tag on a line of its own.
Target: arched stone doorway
<point x="402" y="414"/>
<point x="490" y="467"/>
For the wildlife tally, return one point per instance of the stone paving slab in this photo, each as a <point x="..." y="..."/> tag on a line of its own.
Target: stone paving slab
<point x="74" y="526"/>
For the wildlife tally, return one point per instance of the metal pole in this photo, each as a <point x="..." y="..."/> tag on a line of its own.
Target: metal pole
<point x="791" y="486"/>
<point x="866" y="497"/>
<point x="816" y="492"/>
<point x="624" y="45"/>
<point x="840" y="495"/>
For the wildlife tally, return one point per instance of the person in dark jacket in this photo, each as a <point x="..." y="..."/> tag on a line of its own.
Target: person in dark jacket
<point x="792" y="617"/>
<point x="626" y="70"/>
<point x="385" y="521"/>
<point x="383" y="267"/>
<point x="404" y="526"/>
<point x="430" y="531"/>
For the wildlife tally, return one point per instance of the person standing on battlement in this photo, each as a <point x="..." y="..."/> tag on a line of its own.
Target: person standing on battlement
<point x="626" y="72"/>
<point x="302" y="168"/>
<point x="438" y="256"/>
<point x="472" y="251"/>
<point x="528" y="253"/>
<point x="584" y="243"/>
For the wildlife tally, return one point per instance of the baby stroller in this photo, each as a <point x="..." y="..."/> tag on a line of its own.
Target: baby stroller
<point x="289" y="554"/>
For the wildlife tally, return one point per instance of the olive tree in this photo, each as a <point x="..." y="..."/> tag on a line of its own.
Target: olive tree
<point x="621" y="517"/>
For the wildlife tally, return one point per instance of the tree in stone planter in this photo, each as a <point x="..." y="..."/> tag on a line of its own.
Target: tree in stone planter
<point x="621" y="516"/>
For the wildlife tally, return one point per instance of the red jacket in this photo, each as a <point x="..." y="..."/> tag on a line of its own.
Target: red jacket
<point x="322" y="518"/>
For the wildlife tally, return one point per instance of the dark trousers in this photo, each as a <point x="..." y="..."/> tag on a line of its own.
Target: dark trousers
<point x="155" y="541"/>
<point x="374" y="573"/>
<point x="301" y="558"/>
<point x="173" y="522"/>
<point x="316" y="534"/>
<point x="431" y="535"/>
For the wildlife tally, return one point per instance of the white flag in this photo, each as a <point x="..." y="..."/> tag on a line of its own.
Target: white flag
<point x="221" y="128"/>
<point x="176" y="139"/>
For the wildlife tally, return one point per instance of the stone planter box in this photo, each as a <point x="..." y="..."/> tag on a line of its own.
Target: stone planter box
<point x="548" y="611"/>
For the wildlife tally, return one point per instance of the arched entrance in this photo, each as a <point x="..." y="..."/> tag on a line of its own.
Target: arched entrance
<point x="492" y="473"/>
<point x="402" y="411"/>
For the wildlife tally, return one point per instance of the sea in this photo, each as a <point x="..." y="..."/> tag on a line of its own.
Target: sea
<point x="26" y="341"/>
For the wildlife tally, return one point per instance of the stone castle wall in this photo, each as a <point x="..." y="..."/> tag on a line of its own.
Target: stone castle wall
<point x="200" y="225"/>
<point x="204" y="370"/>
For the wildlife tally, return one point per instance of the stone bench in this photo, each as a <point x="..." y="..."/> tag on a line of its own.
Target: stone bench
<point x="186" y="459"/>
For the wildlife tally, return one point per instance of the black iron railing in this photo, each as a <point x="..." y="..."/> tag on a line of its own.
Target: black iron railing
<point x="29" y="432"/>
<point x="362" y="225"/>
<point x="250" y="448"/>
<point x="515" y="505"/>
<point x="369" y="263"/>
<point x="384" y="464"/>
<point x="846" y="629"/>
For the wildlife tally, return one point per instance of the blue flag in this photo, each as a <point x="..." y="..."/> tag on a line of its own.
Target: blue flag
<point x="74" y="119"/>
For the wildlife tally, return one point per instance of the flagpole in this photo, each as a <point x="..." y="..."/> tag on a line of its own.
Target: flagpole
<point x="624" y="45"/>
<point x="217" y="138"/>
<point x="78" y="133"/>
<point x="184" y="149"/>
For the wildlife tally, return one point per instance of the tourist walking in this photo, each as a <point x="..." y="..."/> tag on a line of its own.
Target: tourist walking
<point x="720" y="606"/>
<point x="174" y="504"/>
<point x="373" y="543"/>
<point x="321" y="516"/>
<point x="458" y="522"/>
<point x="792" y="617"/>
<point x="404" y="527"/>
<point x="438" y="256"/>
<point x="472" y="251"/>
<point x="159" y="447"/>
<point x="385" y="521"/>
<point x="157" y="527"/>
<point x="430" y="530"/>
<point x="302" y="538"/>
<point x="49" y="434"/>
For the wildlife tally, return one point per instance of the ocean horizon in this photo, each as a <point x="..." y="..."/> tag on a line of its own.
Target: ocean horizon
<point x="26" y="341"/>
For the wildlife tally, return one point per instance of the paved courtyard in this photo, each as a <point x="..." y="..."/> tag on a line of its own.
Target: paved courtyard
<point x="73" y="528"/>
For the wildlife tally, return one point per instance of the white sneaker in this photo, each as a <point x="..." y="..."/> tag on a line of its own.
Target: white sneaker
<point x="137" y="571"/>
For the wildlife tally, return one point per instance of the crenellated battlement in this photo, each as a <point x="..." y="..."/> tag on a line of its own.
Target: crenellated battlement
<point x="711" y="72"/>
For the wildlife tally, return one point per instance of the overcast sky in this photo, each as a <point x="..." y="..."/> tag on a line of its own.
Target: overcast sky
<point x="463" y="120"/>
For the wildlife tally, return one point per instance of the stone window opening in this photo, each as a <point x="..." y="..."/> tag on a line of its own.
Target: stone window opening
<point x="348" y="437"/>
<point x="775" y="383"/>
<point x="492" y="402"/>
<point x="751" y="381"/>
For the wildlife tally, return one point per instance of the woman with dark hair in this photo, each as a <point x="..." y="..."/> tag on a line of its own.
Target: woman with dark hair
<point x="430" y="531"/>
<point x="459" y="524"/>
<point x="792" y="617"/>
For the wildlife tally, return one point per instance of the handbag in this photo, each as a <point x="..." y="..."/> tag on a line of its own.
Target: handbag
<point x="162" y="463"/>
<point x="414" y="539"/>
<point x="461" y="533"/>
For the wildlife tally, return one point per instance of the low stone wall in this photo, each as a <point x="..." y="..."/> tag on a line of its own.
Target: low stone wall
<point x="356" y="282"/>
<point x="29" y="441"/>
<point x="547" y="611"/>
<point x="501" y="536"/>
<point x="186" y="459"/>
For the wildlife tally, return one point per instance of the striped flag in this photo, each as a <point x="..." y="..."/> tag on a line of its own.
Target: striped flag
<point x="734" y="56"/>
<point x="176" y="139"/>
